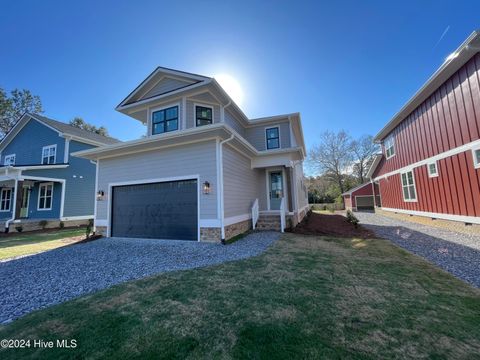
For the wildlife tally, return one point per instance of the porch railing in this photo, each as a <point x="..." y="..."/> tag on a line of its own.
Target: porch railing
<point x="255" y="214"/>
<point x="282" y="215"/>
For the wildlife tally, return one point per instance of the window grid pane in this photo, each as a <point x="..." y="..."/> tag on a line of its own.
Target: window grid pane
<point x="165" y="120"/>
<point x="273" y="139"/>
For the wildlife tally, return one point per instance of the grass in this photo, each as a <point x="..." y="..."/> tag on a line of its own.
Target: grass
<point x="25" y="243"/>
<point x="306" y="297"/>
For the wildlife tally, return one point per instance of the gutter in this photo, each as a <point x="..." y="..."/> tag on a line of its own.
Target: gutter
<point x="220" y="183"/>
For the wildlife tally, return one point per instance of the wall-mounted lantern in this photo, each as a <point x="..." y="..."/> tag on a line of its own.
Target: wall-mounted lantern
<point x="100" y="195"/>
<point x="206" y="188"/>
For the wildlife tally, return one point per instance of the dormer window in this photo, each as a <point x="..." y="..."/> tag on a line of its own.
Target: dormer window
<point x="49" y="154"/>
<point x="165" y="120"/>
<point x="203" y="115"/>
<point x="272" y="138"/>
<point x="9" y="160"/>
<point x="389" y="145"/>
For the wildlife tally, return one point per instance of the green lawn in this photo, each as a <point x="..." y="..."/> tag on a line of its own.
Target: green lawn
<point x="25" y="244"/>
<point x="306" y="297"/>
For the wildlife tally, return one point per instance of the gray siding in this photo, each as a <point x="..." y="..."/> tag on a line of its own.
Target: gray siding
<point x="191" y="112"/>
<point x="240" y="184"/>
<point x="165" y="85"/>
<point x="256" y="135"/>
<point x="234" y="123"/>
<point x="194" y="159"/>
<point x="28" y="143"/>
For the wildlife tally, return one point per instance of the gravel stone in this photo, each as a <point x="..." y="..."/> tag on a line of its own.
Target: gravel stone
<point x="457" y="253"/>
<point x="35" y="282"/>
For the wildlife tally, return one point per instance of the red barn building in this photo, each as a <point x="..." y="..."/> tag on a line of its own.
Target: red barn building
<point x="430" y="164"/>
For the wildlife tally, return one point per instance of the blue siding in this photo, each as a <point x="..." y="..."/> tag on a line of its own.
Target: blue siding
<point x="79" y="185"/>
<point x="33" y="213"/>
<point x="28" y="144"/>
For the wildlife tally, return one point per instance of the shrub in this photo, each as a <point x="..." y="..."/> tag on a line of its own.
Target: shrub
<point x="324" y="207"/>
<point x="89" y="228"/>
<point x="352" y="219"/>
<point x="19" y="228"/>
<point x="61" y="225"/>
<point x="43" y="224"/>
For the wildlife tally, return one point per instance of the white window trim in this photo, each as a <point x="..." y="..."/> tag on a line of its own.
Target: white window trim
<point x="1" y="198"/>
<point x="39" y="192"/>
<point x="476" y="164"/>
<point x="54" y="156"/>
<point x="9" y="156"/>
<point x="195" y="113"/>
<point x="388" y="139"/>
<point x="163" y="107"/>
<point x="436" y="173"/>
<point x="279" y="136"/>
<point x="414" y="186"/>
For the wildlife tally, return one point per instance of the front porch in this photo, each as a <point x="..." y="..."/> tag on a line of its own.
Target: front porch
<point x="26" y="200"/>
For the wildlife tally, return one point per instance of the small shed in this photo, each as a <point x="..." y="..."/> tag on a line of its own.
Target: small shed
<point x="360" y="198"/>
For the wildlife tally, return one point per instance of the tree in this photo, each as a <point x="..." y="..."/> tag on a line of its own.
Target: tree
<point x="364" y="150"/>
<point x="82" y="124"/>
<point x="332" y="157"/>
<point x="14" y="106"/>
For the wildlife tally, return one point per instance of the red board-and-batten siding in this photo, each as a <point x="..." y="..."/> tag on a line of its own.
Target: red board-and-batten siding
<point x="448" y="119"/>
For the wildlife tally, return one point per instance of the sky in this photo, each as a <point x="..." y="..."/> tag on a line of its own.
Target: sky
<point x="342" y="64"/>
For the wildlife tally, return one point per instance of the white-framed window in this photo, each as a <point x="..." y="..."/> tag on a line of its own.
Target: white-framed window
<point x="5" y="199"/>
<point x="203" y="115"/>
<point x="272" y="137"/>
<point x="45" y="196"/>
<point x="432" y="169"/>
<point x="389" y="145"/>
<point x="9" y="160"/>
<point x="408" y="186"/>
<point x="476" y="157"/>
<point x="49" y="154"/>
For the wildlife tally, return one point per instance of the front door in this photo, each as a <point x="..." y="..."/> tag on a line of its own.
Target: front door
<point x="25" y="201"/>
<point x="276" y="189"/>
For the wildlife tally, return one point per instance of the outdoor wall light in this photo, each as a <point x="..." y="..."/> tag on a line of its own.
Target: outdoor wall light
<point x="100" y="195"/>
<point x="206" y="188"/>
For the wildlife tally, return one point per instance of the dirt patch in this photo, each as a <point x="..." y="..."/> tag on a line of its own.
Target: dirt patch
<point x="333" y="225"/>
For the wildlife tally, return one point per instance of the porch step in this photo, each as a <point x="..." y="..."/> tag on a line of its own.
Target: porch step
<point x="269" y="222"/>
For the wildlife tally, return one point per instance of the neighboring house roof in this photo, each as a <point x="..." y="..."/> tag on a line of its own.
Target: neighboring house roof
<point x="451" y="65"/>
<point x="63" y="129"/>
<point x="351" y="191"/>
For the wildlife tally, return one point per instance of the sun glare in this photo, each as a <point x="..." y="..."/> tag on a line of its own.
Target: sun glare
<point x="231" y="86"/>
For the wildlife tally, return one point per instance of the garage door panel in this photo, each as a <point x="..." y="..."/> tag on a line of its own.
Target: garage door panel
<point x="160" y="210"/>
<point x="364" y="202"/>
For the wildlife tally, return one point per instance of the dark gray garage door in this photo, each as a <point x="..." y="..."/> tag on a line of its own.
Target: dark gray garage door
<point x="166" y="210"/>
<point x="364" y="202"/>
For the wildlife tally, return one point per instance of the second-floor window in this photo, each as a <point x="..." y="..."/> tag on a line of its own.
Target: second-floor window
<point x="476" y="158"/>
<point x="9" y="160"/>
<point x="165" y="120"/>
<point x="203" y="115"/>
<point x="272" y="138"/>
<point x="389" y="144"/>
<point x="49" y="154"/>
<point x="408" y="185"/>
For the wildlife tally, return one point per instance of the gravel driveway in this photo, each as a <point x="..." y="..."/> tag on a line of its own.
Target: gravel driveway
<point x="457" y="253"/>
<point x="55" y="276"/>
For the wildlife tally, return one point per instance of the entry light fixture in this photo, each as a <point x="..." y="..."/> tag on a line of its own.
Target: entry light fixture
<point x="206" y="188"/>
<point x="100" y="194"/>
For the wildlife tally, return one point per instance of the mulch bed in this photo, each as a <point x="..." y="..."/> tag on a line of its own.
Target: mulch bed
<point x="333" y="225"/>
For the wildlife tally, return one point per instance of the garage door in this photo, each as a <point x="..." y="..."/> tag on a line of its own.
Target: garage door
<point x="364" y="202"/>
<point x="166" y="210"/>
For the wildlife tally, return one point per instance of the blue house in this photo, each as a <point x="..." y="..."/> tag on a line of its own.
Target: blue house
<point x="40" y="180"/>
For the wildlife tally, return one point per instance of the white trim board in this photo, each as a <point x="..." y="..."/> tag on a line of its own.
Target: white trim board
<point x="460" y="218"/>
<point x="72" y="218"/>
<point x="444" y="155"/>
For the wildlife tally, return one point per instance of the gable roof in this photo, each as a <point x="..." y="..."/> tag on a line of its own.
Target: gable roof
<point x="63" y="129"/>
<point x="351" y="191"/>
<point x="451" y="65"/>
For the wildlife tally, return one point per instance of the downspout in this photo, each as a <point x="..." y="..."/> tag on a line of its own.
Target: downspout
<point x="220" y="182"/>
<point x="9" y="221"/>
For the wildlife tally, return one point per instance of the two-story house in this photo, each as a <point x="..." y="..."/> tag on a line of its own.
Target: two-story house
<point x="430" y="164"/>
<point x="40" y="180"/>
<point x="204" y="172"/>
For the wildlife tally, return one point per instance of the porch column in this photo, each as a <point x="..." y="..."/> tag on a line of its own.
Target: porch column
<point x="18" y="193"/>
